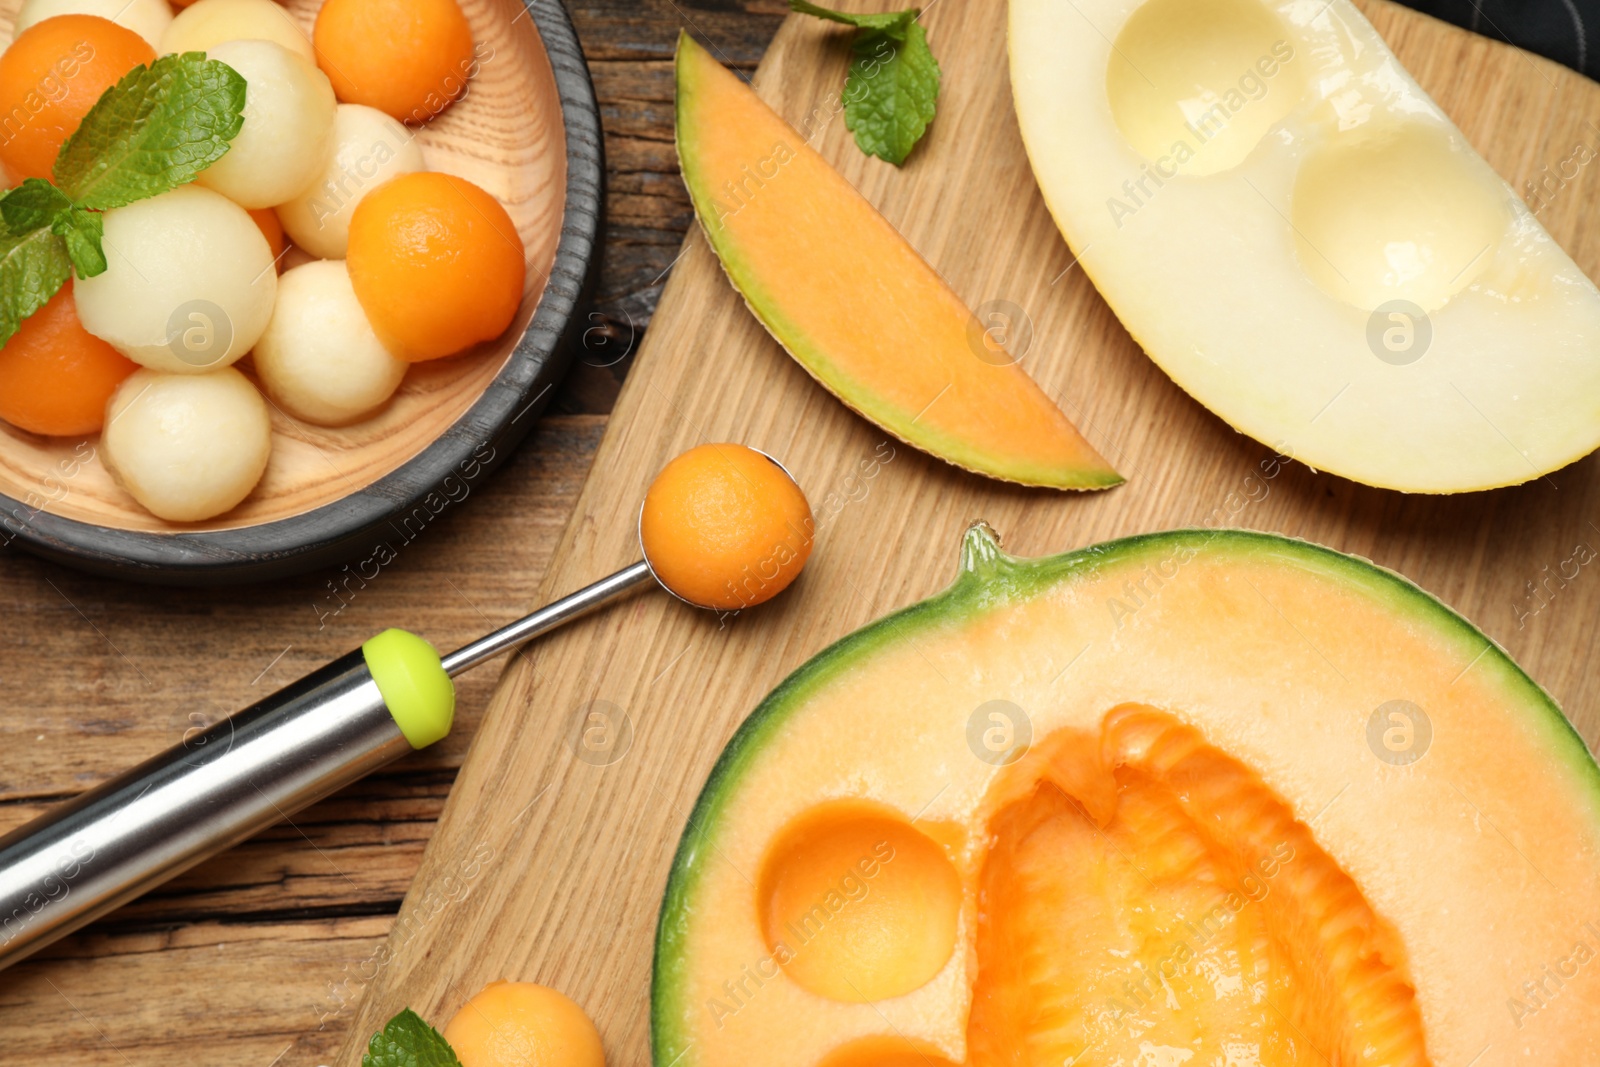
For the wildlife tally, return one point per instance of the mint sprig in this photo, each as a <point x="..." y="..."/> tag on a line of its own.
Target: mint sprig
<point x="893" y="86"/>
<point x="153" y="131"/>
<point x="408" y="1041"/>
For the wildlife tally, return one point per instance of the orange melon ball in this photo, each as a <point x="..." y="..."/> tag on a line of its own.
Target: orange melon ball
<point x="437" y="264"/>
<point x="407" y="58"/>
<point x="49" y="79"/>
<point x="520" y="1024"/>
<point x="266" y="221"/>
<point x="725" y="527"/>
<point x="55" y="376"/>
<point x="858" y="905"/>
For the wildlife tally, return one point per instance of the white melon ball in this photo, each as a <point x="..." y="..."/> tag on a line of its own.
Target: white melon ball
<point x="189" y="286"/>
<point x="287" y="134"/>
<point x="187" y="446"/>
<point x="319" y="358"/>
<point x="148" y="18"/>
<point x="369" y="148"/>
<point x="203" y="26"/>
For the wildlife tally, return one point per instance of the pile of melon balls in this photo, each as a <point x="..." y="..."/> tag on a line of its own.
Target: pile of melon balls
<point x="397" y="264"/>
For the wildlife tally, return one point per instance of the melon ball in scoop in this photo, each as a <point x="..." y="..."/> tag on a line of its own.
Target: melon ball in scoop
<point x="725" y="527"/>
<point x="189" y="285"/>
<point x="288" y="125"/>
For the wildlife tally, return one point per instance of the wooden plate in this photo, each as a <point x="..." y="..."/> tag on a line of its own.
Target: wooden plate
<point x="528" y="131"/>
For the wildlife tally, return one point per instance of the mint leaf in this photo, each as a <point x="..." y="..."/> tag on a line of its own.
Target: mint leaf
<point x="893" y="87"/>
<point x="38" y="205"/>
<point x="84" y="233"/>
<point x="891" y="92"/>
<point x="407" y="1041"/>
<point x="153" y="131"/>
<point x="33" y="267"/>
<point x="33" y="205"/>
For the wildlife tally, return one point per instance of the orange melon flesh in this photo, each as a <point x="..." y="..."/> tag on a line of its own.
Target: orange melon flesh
<point x="858" y="905"/>
<point x="1209" y="853"/>
<point x="852" y="301"/>
<point x="1147" y="895"/>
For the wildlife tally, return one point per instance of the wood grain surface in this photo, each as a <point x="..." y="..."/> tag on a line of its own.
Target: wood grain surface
<point x="551" y="853"/>
<point x="262" y="955"/>
<point x="265" y="946"/>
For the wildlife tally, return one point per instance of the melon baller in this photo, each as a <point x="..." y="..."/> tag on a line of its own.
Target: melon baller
<point x="94" y="853"/>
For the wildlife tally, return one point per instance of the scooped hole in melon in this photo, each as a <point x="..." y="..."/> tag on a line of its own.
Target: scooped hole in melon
<point x="1396" y="212"/>
<point x="1148" y="899"/>
<point x="888" y="1051"/>
<point x="857" y="904"/>
<point x="1195" y="84"/>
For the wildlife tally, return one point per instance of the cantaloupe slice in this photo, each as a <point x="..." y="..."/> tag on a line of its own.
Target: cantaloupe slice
<point x="1304" y="241"/>
<point x="1210" y="799"/>
<point x="852" y="301"/>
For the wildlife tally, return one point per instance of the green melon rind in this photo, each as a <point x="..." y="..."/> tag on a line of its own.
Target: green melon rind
<point x="989" y="579"/>
<point x="766" y="307"/>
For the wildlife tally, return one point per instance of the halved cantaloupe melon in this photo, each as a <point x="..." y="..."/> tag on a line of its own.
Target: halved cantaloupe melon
<point x="1298" y="235"/>
<point x="1193" y="799"/>
<point x="852" y="301"/>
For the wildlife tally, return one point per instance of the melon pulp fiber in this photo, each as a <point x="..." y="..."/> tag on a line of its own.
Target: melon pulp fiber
<point x="1209" y="799"/>
<point x="852" y="301"/>
<point x="1299" y="236"/>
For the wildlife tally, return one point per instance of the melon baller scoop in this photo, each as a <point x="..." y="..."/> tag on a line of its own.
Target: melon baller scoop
<point x="394" y="694"/>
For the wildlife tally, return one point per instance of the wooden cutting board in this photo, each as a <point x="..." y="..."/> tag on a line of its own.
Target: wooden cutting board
<point x="552" y="853"/>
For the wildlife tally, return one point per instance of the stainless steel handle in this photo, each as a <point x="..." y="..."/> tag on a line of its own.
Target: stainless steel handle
<point x="95" y="853"/>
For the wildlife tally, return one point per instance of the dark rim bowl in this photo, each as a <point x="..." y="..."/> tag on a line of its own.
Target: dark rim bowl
<point x="396" y="506"/>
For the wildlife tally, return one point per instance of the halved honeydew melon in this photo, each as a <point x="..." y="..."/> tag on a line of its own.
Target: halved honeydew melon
<point x="852" y="301"/>
<point x="1295" y="232"/>
<point x="1210" y="798"/>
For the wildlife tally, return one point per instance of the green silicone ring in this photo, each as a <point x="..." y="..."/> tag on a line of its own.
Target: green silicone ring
<point x="415" y="688"/>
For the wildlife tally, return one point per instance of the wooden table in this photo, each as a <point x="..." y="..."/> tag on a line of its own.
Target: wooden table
<point x="269" y="948"/>
<point x="269" y="942"/>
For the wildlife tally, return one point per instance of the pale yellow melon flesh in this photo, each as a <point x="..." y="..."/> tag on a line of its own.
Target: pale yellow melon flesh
<point x="1297" y="234"/>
